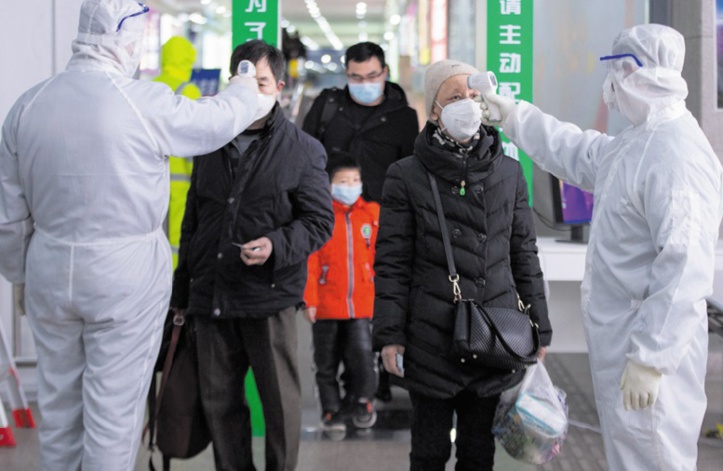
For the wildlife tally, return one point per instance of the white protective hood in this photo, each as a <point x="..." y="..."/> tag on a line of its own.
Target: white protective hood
<point x="643" y="91"/>
<point x="650" y="260"/>
<point x="100" y="42"/>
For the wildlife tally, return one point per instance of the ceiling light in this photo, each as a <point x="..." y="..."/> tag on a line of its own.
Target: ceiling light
<point x="221" y="10"/>
<point x="325" y="59"/>
<point x="309" y="43"/>
<point x="389" y="35"/>
<point x="323" y="24"/>
<point x="198" y="18"/>
<point x="205" y="2"/>
<point x="394" y="20"/>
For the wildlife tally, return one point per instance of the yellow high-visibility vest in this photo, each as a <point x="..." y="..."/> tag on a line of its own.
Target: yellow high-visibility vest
<point x="177" y="58"/>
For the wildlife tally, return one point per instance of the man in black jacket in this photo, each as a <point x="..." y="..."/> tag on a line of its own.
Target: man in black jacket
<point x="369" y="119"/>
<point x="255" y="211"/>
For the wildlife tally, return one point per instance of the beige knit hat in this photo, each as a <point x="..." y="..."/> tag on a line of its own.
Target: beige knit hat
<point x="437" y="73"/>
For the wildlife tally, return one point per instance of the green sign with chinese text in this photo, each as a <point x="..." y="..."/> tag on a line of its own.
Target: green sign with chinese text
<point x="256" y="19"/>
<point x="509" y="56"/>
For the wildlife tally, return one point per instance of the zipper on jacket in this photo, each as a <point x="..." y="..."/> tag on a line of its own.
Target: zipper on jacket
<point x="463" y="181"/>
<point x="324" y="271"/>
<point x="350" y="262"/>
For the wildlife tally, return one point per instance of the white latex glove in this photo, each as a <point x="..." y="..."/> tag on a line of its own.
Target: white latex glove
<point x="249" y="82"/>
<point x="505" y="104"/>
<point x="245" y="75"/>
<point x="19" y="298"/>
<point x="639" y="385"/>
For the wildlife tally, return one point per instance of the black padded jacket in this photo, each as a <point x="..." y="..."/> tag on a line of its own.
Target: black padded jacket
<point x="279" y="190"/>
<point x="492" y="234"/>
<point x="386" y="135"/>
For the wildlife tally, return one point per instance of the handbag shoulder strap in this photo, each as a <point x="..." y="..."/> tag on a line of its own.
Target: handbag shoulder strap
<point x="154" y="402"/>
<point x="453" y="276"/>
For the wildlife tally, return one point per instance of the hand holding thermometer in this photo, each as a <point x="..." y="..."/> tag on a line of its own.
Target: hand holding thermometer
<point x="486" y="82"/>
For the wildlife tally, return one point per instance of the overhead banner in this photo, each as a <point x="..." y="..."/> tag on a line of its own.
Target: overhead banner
<point x="509" y="56"/>
<point x="256" y="19"/>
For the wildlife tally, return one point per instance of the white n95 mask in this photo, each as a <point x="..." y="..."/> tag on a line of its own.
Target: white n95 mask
<point x="609" y="94"/>
<point x="265" y="104"/>
<point x="461" y="119"/>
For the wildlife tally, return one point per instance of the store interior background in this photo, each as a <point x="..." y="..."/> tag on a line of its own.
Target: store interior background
<point x="569" y="37"/>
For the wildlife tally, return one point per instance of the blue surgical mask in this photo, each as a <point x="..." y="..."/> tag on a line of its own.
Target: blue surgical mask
<point x="346" y="194"/>
<point x="367" y="92"/>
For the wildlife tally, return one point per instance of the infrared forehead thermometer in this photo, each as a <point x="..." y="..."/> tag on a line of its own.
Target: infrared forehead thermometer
<point x="246" y="69"/>
<point x="486" y="82"/>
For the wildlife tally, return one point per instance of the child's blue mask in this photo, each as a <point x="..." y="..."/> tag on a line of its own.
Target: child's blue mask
<point x="346" y="194"/>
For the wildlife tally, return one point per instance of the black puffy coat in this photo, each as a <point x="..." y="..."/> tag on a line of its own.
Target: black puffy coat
<point x="386" y="136"/>
<point x="494" y="245"/>
<point x="279" y="190"/>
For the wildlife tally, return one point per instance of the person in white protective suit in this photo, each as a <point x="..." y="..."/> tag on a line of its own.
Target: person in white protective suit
<point x="83" y="194"/>
<point x="651" y="255"/>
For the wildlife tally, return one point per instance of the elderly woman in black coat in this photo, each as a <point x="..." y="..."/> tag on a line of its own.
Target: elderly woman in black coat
<point x="485" y="201"/>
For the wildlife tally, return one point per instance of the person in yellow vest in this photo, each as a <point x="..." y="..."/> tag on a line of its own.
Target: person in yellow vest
<point x="177" y="58"/>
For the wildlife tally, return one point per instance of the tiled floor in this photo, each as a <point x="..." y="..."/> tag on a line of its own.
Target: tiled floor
<point x="386" y="446"/>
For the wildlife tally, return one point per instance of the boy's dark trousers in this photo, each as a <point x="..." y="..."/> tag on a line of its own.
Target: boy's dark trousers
<point x="226" y="349"/>
<point x="348" y="341"/>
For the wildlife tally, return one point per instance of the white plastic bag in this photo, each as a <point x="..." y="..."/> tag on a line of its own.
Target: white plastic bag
<point x="531" y="418"/>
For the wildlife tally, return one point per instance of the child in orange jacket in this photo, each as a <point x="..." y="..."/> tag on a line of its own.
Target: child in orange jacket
<point x="340" y="300"/>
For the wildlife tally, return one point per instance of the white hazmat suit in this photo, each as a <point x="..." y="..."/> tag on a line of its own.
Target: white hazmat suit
<point x="84" y="188"/>
<point x="651" y="254"/>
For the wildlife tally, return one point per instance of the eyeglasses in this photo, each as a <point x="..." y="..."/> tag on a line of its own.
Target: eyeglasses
<point x="144" y="10"/>
<point x="354" y="78"/>
<point x="622" y="56"/>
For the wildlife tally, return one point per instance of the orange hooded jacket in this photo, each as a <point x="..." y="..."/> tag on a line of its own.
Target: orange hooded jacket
<point x="338" y="292"/>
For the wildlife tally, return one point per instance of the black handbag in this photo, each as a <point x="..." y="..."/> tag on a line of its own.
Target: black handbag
<point x="177" y="424"/>
<point x="493" y="337"/>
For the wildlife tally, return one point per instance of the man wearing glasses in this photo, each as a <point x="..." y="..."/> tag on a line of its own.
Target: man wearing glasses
<point x="651" y="257"/>
<point x="369" y="119"/>
<point x="83" y="194"/>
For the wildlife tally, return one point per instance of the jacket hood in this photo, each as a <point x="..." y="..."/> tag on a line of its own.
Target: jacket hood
<point x="110" y="34"/>
<point x="478" y="162"/>
<point x="177" y="58"/>
<point x="642" y="91"/>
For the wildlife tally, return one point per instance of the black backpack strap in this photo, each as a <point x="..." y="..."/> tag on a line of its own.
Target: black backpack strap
<point x="331" y="105"/>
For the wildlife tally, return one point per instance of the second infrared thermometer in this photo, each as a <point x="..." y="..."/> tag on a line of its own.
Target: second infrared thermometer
<point x="486" y="82"/>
